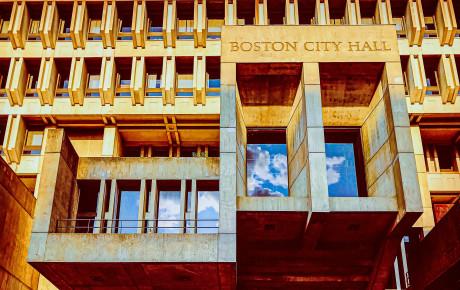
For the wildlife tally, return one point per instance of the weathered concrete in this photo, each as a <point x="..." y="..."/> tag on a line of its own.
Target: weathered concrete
<point x="434" y="262"/>
<point x="17" y="205"/>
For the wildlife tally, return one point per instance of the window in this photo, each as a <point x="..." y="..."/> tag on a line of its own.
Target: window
<point x="344" y="162"/>
<point x="445" y="157"/>
<point x="267" y="163"/>
<point x="128" y="207"/>
<point x="169" y="206"/>
<point x="87" y="205"/>
<point x="33" y="145"/>
<point x="208" y="206"/>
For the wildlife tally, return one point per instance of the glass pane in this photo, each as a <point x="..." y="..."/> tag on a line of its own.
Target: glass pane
<point x="208" y="209"/>
<point x="341" y="171"/>
<point x="169" y="209"/>
<point x="267" y="170"/>
<point x="129" y="210"/>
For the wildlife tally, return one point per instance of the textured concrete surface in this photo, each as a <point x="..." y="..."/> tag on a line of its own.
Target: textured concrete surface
<point x="17" y="205"/>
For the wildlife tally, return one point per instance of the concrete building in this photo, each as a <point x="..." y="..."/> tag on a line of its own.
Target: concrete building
<point x="231" y="144"/>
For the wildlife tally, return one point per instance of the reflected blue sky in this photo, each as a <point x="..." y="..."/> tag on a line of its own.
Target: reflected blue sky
<point x="267" y="170"/>
<point x="129" y="209"/>
<point x="341" y="171"/>
<point x="169" y="209"/>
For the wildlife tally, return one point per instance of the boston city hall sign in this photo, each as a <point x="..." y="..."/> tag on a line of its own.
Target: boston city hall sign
<point x="372" y="43"/>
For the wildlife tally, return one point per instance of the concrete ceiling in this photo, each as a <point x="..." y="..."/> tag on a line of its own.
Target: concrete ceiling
<point x="349" y="84"/>
<point x="268" y="84"/>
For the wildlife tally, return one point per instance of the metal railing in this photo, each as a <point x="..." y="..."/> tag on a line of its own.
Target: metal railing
<point x="115" y="225"/>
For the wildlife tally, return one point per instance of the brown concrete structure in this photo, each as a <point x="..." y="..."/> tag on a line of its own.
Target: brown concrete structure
<point x="17" y="206"/>
<point x="132" y="122"/>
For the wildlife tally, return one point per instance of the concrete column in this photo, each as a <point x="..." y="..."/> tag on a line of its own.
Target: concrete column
<point x="108" y="80"/>
<point x="199" y="80"/>
<point x="80" y="21"/>
<point x="20" y="16"/>
<point x="446" y="23"/>
<point x="15" y="135"/>
<point x="291" y="14"/>
<point x="416" y="78"/>
<point x="47" y="81"/>
<point x="194" y="209"/>
<point x="229" y="175"/>
<point x="316" y="153"/>
<point x="112" y="145"/>
<point x="230" y="12"/>
<point x="101" y="202"/>
<point x="352" y="12"/>
<point x="322" y="12"/>
<point x="448" y="80"/>
<point x="78" y="81"/>
<point x="383" y="13"/>
<point x="426" y="220"/>
<point x="138" y="80"/>
<point x="415" y="22"/>
<point x="183" y="205"/>
<point x="49" y="25"/>
<point x="142" y="207"/>
<point x="169" y="23"/>
<point x="152" y="211"/>
<point x="111" y="213"/>
<point x="200" y="24"/>
<point x="140" y="24"/>
<point x="109" y="26"/>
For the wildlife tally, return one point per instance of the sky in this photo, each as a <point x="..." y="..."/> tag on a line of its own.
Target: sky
<point x="267" y="170"/>
<point x="341" y="172"/>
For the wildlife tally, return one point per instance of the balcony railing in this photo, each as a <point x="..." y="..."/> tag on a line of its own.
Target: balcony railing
<point x="116" y="225"/>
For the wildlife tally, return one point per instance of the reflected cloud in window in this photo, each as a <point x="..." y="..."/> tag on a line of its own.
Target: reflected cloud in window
<point x="267" y="170"/>
<point x="129" y="209"/>
<point x="341" y="171"/>
<point x="208" y="209"/>
<point x="169" y="209"/>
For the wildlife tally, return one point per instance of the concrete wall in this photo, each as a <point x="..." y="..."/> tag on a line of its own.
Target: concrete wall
<point x="17" y="206"/>
<point x="57" y="191"/>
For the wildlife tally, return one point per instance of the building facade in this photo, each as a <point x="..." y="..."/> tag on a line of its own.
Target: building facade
<point x="234" y="144"/>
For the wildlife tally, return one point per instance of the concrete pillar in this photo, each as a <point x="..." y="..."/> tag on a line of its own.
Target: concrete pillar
<point x="142" y="207"/>
<point x="108" y="80"/>
<point x="230" y="12"/>
<point x="101" y="203"/>
<point x="200" y="23"/>
<point x="416" y="78"/>
<point x="152" y="211"/>
<point x="140" y="24"/>
<point x="112" y="145"/>
<point x="109" y="26"/>
<point x="415" y="22"/>
<point x="199" y="80"/>
<point x="15" y="135"/>
<point x="446" y="23"/>
<point x="229" y="174"/>
<point x="79" y="24"/>
<point x="168" y="80"/>
<point x="111" y="213"/>
<point x="352" y="12"/>
<point x="169" y="23"/>
<point x="19" y="24"/>
<point x="49" y="25"/>
<point x="47" y="81"/>
<point x="183" y="205"/>
<point x="426" y="220"/>
<point x="194" y="207"/>
<point x="78" y="81"/>
<point x="138" y="81"/>
<point x="261" y="15"/>
<point x="322" y="12"/>
<point x="291" y="14"/>
<point x="16" y="83"/>
<point x="383" y="13"/>
<point x="317" y="191"/>
<point x="448" y="78"/>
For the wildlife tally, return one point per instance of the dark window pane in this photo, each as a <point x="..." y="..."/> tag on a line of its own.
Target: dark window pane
<point x="444" y="157"/>
<point x="129" y="210"/>
<point x="341" y="171"/>
<point x="267" y="170"/>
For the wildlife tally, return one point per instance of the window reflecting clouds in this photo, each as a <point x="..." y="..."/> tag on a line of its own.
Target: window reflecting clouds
<point x="129" y="209"/>
<point x="267" y="170"/>
<point x="341" y="169"/>
<point x="169" y="209"/>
